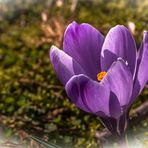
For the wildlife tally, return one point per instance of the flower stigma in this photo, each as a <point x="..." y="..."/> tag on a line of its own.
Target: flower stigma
<point x="101" y="75"/>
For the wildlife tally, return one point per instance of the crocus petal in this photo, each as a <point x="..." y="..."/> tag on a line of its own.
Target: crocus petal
<point x="88" y="95"/>
<point x="84" y="43"/>
<point x="118" y="43"/>
<point x="121" y="82"/>
<point x="114" y="106"/>
<point x="141" y="77"/>
<point x="64" y="65"/>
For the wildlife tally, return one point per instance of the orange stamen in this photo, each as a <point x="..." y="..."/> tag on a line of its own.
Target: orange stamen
<point x="101" y="75"/>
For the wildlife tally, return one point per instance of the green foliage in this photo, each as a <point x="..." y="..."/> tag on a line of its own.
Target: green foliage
<point x="30" y="93"/>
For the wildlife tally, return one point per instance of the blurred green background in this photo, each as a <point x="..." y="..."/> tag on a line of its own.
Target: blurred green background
<point x="32" y="100"/>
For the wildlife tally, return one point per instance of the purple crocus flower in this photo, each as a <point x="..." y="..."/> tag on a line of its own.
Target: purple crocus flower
<point x="101" y="75"/>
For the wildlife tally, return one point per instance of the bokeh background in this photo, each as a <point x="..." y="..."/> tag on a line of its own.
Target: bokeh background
<point x="32" y="100"/>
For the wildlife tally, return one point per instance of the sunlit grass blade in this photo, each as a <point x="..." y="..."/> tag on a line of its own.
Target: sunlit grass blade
<point x="45" y="143"/>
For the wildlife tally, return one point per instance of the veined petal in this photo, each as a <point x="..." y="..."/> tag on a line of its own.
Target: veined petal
<point x="118" y="43"/>
<point x="89" y="95"/>
<point x="114" y="106"/>
<point x="141" y="77"/>
<point x="121" y="82"/>
<point x="84" y="43"/>
<point x="64" y="65"/>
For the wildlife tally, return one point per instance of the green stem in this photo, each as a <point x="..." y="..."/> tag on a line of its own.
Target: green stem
<point x="122" y="141"/>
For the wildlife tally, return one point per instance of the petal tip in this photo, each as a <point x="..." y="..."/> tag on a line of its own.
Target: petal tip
<point x="119" y="26"/>
<point x="120" y="59"/>
<point x="74" y="22"/>
<point x="123" y="61"/>
<point x="145" y="33"/>
<point x="53" y="52"/>
<point x="52" y="49"/>
<point x="145" y="36"/>
<point x="118" y="29"/>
